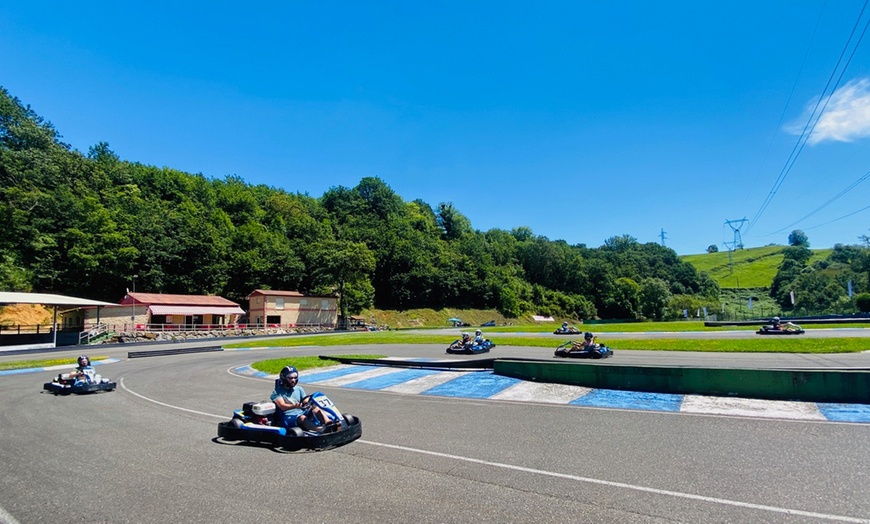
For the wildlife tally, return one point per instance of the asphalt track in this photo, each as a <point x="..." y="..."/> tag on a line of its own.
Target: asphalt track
<point x="148" y="453"/>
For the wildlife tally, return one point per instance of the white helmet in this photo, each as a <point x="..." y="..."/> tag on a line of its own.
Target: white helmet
<point x="478" y="332"/>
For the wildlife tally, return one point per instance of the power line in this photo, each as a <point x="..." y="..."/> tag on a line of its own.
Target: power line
<point x="814" y="117"/>
<point x="790" y="95"/>
<point x="836" y="219"/>
<point x="826" y="204"/>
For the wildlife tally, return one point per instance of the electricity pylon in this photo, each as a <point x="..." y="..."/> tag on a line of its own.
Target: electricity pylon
<point x="737" y="243"/>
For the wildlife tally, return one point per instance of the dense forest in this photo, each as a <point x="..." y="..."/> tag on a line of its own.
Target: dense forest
<point x="838" y="284"/>
<point x="84" y="225"/>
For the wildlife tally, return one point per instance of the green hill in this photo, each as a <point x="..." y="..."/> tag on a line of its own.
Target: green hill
<point x="745" y="268"/>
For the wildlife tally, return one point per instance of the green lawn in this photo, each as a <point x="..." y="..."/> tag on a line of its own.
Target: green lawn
<point x="752" y="267"/>
<point x="754" y="345"/>
<point x="795" y="344"/>
<point x="27" y="364"/>
<point x="274" y="366"/>
<point x="623" y="327"/>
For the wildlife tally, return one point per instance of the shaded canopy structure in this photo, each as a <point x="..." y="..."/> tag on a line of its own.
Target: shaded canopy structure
<point x="46" y="299"/>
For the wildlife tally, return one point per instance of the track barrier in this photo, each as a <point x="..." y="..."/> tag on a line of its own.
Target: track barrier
<point x="837" y="386"/>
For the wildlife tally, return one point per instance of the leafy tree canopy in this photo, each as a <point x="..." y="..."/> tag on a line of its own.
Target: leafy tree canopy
<point x="84" y="224"/>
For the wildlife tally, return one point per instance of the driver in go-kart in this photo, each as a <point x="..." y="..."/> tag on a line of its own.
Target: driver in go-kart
<point x="782" y="326"/>
<point x="84" y="372"/>
<point x="588" y="343"/>
<point x="564" y="326"/>
<point x="290" y="398"/>
<point x="478" y="337"/>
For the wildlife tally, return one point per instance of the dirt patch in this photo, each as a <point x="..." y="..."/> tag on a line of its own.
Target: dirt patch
<point x="25" y="315"/>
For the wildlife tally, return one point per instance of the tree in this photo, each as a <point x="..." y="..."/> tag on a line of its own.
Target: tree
<point x="13" y="277"/>
<point x="654" y="296"/>
<point x="624" y="302"/>
<point x="800" y="254"/>
<point x="798" y="238"/>
<point x="620" y="243"/>
<point x="341" y="265"/>
<point x="817" y="293"/>
<point x="453" y="224"/>
<point x="712" y="248"/>
<point x="861" y="265"/>
<point x="862" y="301"/>
<point x="783" y="282"/>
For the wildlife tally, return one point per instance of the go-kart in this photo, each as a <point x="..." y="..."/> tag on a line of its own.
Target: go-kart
<point x="470" y="348"/>
<point x="786" y="328"/>
<point x="570" y="330"/>
<point x="261" y="422"/>
<point x="567" y="350"/>
<point x="85" y="381"/>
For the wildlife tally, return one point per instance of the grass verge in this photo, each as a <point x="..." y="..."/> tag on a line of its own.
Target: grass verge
<point x="274" y="366"/>
<point x="769" y="344"/>
<point x="26" y="364"/>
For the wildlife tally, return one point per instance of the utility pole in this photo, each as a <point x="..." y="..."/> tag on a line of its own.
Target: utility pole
<point x="663" y="237"/>
<point x="133" y="304"/>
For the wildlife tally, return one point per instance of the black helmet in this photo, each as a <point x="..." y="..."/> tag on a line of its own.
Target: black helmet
<point x="587" y="335"/>
<point x="84" y="361"/>
<point x="287" y="371"/>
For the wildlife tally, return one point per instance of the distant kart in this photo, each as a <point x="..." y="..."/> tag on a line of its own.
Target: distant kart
<point x="571" y="330"/>
<point x="784" y="329"/>
<point x="470" y="348"/>
<point x="491" y="323"/>
<point x="86" y="382"/>
<point x="597" y="351"/>
<point x="260" y="422"/>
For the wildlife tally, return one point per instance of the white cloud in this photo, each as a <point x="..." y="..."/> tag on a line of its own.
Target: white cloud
<point x="846" y="116"/>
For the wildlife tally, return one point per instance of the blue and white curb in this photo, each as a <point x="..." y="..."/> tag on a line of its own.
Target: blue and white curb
<point x="486" y="385"/>
<point x="55" y="368"/>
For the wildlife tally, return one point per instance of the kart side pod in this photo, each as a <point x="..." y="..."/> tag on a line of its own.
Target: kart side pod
<point x="262" y="408"/>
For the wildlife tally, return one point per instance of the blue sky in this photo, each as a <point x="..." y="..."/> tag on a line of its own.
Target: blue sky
<point x="580" y="120"/>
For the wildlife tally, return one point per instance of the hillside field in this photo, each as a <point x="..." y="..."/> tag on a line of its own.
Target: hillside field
<point x="752" y="267"/>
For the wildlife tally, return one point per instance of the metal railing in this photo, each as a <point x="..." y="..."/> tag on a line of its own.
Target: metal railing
<point x="25" y="329"/>
<point x="223" y="327"/>
<point x="96" y="332"/>
<point x="126" y="327"/>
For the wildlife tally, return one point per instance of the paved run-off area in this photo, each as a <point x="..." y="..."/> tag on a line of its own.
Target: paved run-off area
<point x="486" y="385"/>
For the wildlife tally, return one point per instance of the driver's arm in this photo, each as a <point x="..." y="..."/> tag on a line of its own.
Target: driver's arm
<point x="284" y="405"/>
